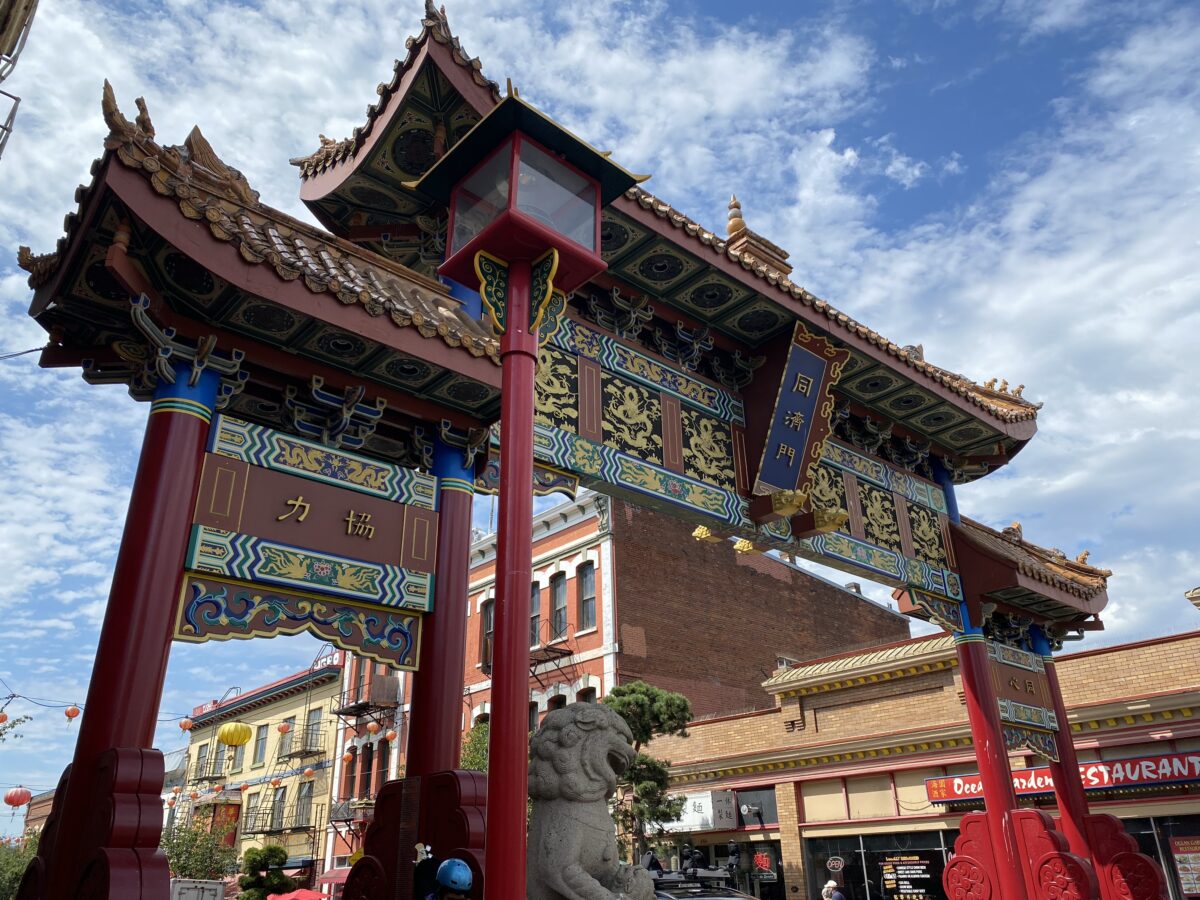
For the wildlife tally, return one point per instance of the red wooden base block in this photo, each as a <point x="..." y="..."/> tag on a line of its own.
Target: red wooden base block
<point x="971" y="874"/>
<point x="1124" y="873"/>
<point x="445" y="810"/>
<point x="120" y="859"/>
<point x="1051" y="871"/>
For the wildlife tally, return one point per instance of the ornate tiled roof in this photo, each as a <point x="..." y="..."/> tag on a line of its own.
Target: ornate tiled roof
<point x="433" y="25"/>
<point x="862" y="663"/>
<point x="1049" y="566"/>
<point x="206" y="189"/>
<point x="1009" y="407"/>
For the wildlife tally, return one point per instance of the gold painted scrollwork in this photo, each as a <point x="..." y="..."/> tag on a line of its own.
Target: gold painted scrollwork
<point x="708" y="451"/>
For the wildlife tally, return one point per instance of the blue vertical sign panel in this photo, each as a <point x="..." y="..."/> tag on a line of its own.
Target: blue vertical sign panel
<point x="803" y="407"/>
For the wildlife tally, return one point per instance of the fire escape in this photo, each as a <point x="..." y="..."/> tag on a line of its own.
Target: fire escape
<point x="16" y="18"/>
<point x="371" y="707"/>
<point x="556" y="650"/>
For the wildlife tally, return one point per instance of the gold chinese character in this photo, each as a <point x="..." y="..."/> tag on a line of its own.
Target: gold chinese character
<point x="803" y="384"/>
<point x="357" y="525"/>
<point x="1029" y="689"/>
<point x="794" y="419"/>
<point x="297" y="505"/>
<point x="1014" y="684"/>
<point x="785" y="450"/>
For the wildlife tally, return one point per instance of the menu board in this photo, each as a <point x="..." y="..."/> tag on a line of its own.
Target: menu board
<point x="1187" y="863"/>
<point x="911" y="876"/>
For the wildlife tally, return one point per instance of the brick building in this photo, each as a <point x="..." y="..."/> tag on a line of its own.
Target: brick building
<point x="866" y="758"/>
<point x="623" y="593"/>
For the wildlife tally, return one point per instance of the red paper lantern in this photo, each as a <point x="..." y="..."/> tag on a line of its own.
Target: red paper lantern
<point x="347" y="756"/>
<point x="18" y="796"/>
<point x="185" y="724"/>
<point x="275" y="782"/>
<point x="3" y="717"/>
<point x="194" y="795"/>
<point x="373" y="727"/>
<point x="309" y="773"/>
<point x="283" y="727"/>
<point x="243" y="787"/>
<point x="219" y="788"/>
<point x="171" y="802"/>
<point x="177" y="790"/>
<point x="71" y="712"/>
<point x="390" y="736"/>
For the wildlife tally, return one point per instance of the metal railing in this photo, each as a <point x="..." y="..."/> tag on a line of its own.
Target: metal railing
<point x="352" y="810"/>
<point x="383" y="692"/>
<point x="211" y="768"/>
<point x="296" y="816"/>
<point x="308" y="740"/>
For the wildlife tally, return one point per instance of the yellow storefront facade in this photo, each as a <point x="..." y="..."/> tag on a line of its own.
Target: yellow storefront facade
<point x="862" y="770"/>
<point x="275" y="787"/>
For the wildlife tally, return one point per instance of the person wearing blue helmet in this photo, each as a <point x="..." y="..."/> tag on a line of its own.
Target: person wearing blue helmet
<point x="453" y="881"/>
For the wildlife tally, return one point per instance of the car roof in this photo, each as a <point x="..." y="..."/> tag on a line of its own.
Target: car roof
<point x="679" y="892"/>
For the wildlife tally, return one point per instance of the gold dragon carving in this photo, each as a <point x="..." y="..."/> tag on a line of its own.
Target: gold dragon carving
<point x="630" y="415"/>
<point x="556" y="401"/>
<point x="708" y="448"/>
<point x="879" y="518"/>
<point x="926" y="535"/>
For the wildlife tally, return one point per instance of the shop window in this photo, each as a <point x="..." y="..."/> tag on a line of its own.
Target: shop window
<point x="586" y="582"/>
<point x="881" y="866"/>
<point x="487" y="625"/>
<point x="558" y="595"/>
<point x="535" y="615"/>
<point x="260" y="744"/>
<point x="588" y="695"/>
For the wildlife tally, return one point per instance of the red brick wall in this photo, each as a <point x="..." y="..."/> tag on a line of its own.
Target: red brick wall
<point x="703" y="620"/>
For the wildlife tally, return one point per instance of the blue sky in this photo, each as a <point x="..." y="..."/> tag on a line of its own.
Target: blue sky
<point x="1011" y="183"/>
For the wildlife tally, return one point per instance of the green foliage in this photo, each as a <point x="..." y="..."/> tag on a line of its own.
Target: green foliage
<point x="261" y="879"/>
<point x="13" y="860"/>
<point x="9" y="728"/>
<point x="475" y="749"/>
<point x="193" y="851"/>
<point x="650" y="711"/>
<point x="645" y="804"/>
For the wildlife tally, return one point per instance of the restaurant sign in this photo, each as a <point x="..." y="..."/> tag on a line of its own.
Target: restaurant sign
<point x="1103" y="775"/>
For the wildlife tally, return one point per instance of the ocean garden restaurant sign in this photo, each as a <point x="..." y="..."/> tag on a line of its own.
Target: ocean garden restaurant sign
<point x="1104" y="775"/>
<point x="289" y="535"/>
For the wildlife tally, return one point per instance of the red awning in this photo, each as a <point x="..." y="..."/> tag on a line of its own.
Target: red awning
<point x="334" y="876"/>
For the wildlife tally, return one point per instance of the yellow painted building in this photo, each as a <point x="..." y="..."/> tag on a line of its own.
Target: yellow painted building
<point x="275" y="788"/>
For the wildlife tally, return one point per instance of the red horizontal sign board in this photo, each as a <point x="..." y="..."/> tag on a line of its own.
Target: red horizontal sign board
<point x="1138" y="771"/>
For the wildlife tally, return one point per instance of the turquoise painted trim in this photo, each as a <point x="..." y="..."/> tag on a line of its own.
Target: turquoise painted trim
<point x="252" y="559"/>
<point x="884" y="475"/>
<point x="272" y="449"/>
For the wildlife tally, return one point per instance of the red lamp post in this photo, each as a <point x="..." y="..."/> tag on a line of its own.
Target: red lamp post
<point x="525" y="197"/>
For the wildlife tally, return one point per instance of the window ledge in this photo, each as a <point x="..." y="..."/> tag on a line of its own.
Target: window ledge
<point x="558" y="640"/>
<point x="586" y="632"/>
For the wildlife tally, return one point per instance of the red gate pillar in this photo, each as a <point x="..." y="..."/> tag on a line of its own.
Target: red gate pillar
<point x="1068" y="786"/>
<point x="1000" y="798"/>
<point x="435" y="729"/>
<point x="101" y="840"/>
<point x="508" y="752"/>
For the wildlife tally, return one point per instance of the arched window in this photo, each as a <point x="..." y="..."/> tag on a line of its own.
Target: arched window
<point x="587" y="695"/>
<point x="557" y="702"/>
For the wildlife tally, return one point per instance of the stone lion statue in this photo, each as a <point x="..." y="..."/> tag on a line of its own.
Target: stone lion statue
<point x="576" y="758"/>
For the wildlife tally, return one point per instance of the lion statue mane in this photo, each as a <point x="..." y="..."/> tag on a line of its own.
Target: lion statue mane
<point x="576" y="758"/>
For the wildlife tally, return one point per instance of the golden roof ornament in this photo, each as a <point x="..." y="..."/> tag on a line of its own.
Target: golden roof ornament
<point x="1082" y="558"/>
<point x="750" y="244"/>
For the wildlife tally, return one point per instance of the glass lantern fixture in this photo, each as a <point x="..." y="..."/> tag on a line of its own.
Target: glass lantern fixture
<point x="518" y="184"/>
